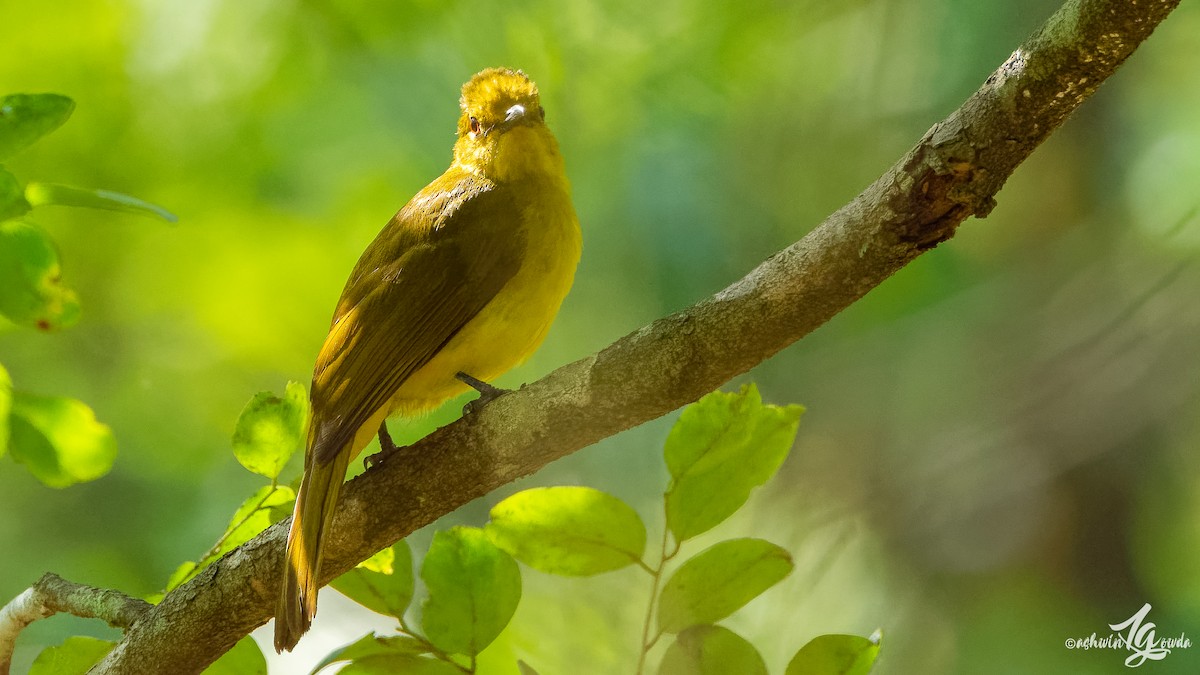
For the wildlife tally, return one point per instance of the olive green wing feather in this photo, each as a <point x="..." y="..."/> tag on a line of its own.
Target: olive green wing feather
<point x="411" y="292"/>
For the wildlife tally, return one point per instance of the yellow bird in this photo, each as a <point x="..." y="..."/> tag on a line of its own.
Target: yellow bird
<point x="460" y="286"/>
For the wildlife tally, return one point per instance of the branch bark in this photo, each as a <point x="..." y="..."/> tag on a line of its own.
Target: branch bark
<point x="52" y="594"/>
<point x="952" y="173"/>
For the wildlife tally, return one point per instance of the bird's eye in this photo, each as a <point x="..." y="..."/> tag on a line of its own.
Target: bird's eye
<point x="474" y="125"/>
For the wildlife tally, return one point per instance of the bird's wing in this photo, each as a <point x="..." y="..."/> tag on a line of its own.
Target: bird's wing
<point x="431" y="270"/>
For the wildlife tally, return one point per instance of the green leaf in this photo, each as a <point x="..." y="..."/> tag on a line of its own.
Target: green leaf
<point x="6" y="394"/>
<point x="244" y="659"/>
<point x="383" y="583"/>
<point x="384" y="560"/>
<point x="719" y="581"/>
<point x="270" y="429"/>
<point x="278" y="512"/>
<point x="253" y="516"/>
<point x="370" y="645"/>
<point x="722" y="447"/>
<point x="399" y="664"/>
<point x="12" y="199"/>
<point x="24" y="118"/>
<point x="256" y="513"/>
<point x="75" y="656"/>
<point x="573" y="531"/>
<point x="836" y="655"/>
<point x="473" y="590"/>
<point x="59" y="440"/>
<point x="31" y="290"/>
<point x="53" y="194"/>
<point x="711" y="650"/>
<point x="181" y="574"/>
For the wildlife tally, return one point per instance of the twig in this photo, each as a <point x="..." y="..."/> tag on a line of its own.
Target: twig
<point x="657" y="572"/>
<point x="52" y="594"/>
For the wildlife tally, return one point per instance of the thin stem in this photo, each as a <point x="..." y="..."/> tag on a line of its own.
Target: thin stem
<point x="648" y="642"/>
<point x="674" y="551"/>
<point x="433" y="649"/>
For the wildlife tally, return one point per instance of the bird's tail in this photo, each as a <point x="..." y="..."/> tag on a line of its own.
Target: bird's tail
<point x="311" y="520"/>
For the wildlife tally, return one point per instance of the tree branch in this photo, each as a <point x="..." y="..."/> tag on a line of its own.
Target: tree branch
<point x="52" y="594"/>
<point x="952" y="173"/>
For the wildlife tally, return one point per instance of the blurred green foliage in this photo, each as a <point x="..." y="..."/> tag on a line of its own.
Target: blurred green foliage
<point x="24" y="118"/>
<point x="1000" y="441"/>
<point x="32" y="294"/>
<point x="58" y="439"/>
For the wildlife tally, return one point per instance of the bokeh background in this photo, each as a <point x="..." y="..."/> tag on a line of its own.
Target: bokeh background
<point x="1000" y="449"/>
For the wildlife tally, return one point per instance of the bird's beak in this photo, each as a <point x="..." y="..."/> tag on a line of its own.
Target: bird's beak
<point x="514" y="113"/>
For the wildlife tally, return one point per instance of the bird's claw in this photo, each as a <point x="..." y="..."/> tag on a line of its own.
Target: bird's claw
<point x="487" y="393"/>
<point x="387" y="448"/>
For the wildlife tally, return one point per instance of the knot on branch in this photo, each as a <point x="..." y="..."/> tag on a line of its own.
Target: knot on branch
<point x="951" y="185"/>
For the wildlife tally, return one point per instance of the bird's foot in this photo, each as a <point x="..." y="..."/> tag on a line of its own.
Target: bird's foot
<point x="387" y="448"/>
<point x="487" y="393"/>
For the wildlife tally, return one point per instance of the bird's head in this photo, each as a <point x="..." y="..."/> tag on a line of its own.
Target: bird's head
<point x="502" y="132"/>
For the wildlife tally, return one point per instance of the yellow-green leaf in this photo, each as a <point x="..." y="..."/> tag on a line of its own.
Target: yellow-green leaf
<point x="75" y="656"/>
<point x="473" y="590"/>
<point x="720" y="580"/>
<point x="12" y="197"/>
<point x="270" y="429"/>
<point x="32" y="293"/>
<point x="246" y="658"/>
<point x="399" y="664"/>
<point x="53" y="194"/>
<point x="24" y="118"/>
<point x="575" y="531"/>
<point x="254" y="516"/>
<point x="181" y="574"/>
<point x="256" y="513"/>
<point x="722" y="447"/>
<point x="371" y="645"/>
<point x="5" y="408"/>
<point x="382" y="583"/>
<point x="711" y="650"/>
<point x="836" y="655"/>
<point x="59" y="439"/>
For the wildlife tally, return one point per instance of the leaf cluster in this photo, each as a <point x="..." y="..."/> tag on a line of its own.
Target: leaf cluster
<point x="58" y="439"/>
<point x="719" y="451"/>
